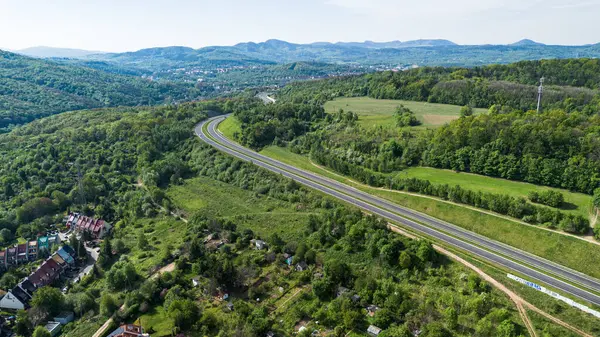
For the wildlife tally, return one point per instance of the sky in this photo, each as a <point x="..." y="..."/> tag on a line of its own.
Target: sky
<point x="128" y="25"/>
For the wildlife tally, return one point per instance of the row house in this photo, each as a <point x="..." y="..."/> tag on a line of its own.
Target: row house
<point x="26" y="252"/>
<point x="22" y="256"/>
<point x="97" y="228"/>
<point x="52" y="268"/>
<point x="32" y="250"/>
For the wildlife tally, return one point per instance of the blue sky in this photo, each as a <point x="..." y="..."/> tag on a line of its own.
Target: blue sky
<point x="124" y="25"/>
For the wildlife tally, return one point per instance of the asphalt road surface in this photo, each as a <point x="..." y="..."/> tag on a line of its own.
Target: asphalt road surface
<point x="545" y="271"/>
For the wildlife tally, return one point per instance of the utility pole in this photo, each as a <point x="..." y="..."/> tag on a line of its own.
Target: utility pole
<point x="540" y="93"/>
<point x="80" y="184"/>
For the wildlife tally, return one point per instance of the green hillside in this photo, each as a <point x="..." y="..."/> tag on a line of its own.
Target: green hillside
<point x="33" y="88"/>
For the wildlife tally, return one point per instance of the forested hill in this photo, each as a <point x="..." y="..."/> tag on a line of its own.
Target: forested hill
<point x="33" y="88"/>
<point x="571" y="84"/>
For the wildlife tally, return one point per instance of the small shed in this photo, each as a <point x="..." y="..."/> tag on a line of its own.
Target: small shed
<point x="65" y="317"/>
<point x="302" y="266"/>
<point x="53" y="327"/>
<point x="260" y="244"/>
<point x="373" y="330"/>
<point x="341" y="291"/>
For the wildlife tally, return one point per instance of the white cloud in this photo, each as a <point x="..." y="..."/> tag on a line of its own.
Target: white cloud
<point x="576" y="4"/>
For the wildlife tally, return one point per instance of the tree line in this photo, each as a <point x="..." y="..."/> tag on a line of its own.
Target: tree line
<point x="500" y="203"/>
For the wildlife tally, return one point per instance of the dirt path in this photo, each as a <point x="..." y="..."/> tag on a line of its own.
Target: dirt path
<point x="166" y="269"/>
<point x="520" y="303"/>
<point x="103" y="328"/>
<point x="290" y="298"/>
<point x="587" y="238"/>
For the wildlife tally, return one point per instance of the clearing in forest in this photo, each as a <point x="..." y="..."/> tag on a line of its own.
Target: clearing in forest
<point x="575" y="203"/>
<point x="380" y="112"/>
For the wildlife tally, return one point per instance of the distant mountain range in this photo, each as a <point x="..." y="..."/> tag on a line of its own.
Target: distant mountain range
<point x="368" y="53"/>
<point x="48" y="52"/>
<point x="432" y="52"/>
<point x="526" y="42"/>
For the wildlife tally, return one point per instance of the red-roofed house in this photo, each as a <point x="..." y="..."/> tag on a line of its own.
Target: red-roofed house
<point x="97" y="228"/>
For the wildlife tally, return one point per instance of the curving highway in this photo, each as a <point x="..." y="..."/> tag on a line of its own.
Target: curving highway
<point x="545" y="271"/>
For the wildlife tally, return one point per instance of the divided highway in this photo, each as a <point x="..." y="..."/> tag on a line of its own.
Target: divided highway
<point x="545" y="271"/>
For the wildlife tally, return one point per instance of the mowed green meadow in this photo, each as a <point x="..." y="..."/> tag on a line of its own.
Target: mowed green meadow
<point x="230" y="126"/>
<point x="380" y="112"/>
<point x="575" y="203"/>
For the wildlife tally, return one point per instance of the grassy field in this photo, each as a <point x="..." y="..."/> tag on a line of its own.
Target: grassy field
<point x="576" y="203"/>
<point x="160" y="232"/>
<point x="380" y="112"/>
<point x="568" y="251"/>
<point x="157" y="322"/>
<point x="230" y="126"/>
<point x="263" y="215"/>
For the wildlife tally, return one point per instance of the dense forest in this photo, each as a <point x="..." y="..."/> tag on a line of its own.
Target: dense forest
<point x="33" y="88"/>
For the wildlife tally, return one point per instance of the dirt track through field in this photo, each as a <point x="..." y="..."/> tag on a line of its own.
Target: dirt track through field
<point x="520" y="303"/>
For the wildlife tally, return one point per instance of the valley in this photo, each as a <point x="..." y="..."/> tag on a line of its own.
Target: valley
<point x="389" y="189"/>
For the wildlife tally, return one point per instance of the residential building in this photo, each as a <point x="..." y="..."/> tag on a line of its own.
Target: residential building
<point x="11" y="302"/>
<point x="70" y="250"/>
<point x="32" y="250"/>
<point x="3" y="259"/>
<point x="45" y="243"/>
<point x="22" y="256"/>
<point x="97" y="228"/>
<point x="53" y="240"/>
<point x="27" y="286"/>
<point x="26" y="252"/>
<point x="71" y="220"/>
<point x="65" y="256"/>
<point x="58" y="259"/>
<point x="11" y="256"/>
<point x="45" y="274"/>
<point x="129" y="330"/>
<point x="49" y="271"/>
